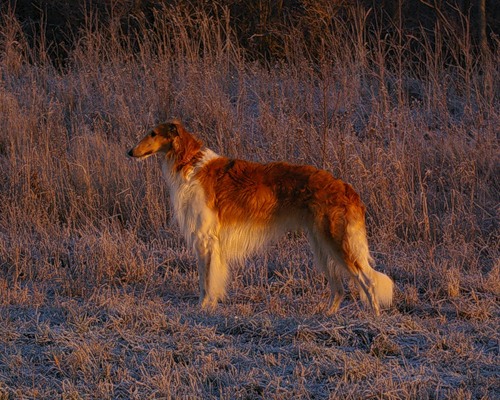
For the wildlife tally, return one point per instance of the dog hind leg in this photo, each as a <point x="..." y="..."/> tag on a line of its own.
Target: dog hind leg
<point x="365" y="283"/>
<point x="336" y="287"/>
<point x="328" y="265"/>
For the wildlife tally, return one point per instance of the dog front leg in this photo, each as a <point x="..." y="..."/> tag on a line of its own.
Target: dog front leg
<point x="204" y="256"/>
<point x="213" y="273"/>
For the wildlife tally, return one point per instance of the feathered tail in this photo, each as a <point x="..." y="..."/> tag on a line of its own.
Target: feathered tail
<point x="355" y="245"/>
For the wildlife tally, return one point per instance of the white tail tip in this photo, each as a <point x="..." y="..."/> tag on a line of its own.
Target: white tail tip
<point x="383" y="288"/>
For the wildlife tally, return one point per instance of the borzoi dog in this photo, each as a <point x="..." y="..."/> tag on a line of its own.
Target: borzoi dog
<point x="228" y="208"/>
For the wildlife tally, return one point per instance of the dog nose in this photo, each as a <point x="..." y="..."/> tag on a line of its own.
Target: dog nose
<point x="130" y="153"/>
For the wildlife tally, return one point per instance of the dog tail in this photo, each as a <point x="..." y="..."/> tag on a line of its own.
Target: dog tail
<point x="383" y="289"/>
<point x="356" y="249"/>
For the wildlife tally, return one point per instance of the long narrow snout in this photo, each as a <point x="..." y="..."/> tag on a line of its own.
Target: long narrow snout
<point x="139" y="152"/>
<point x="136" y="153"/>
<point x="147" y="147"/>
<point x="157" y="140"/>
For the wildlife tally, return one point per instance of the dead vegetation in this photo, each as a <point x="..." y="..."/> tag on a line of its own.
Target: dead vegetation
<point x="98" y="294"/>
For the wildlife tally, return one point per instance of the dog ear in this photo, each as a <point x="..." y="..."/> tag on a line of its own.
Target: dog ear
<point x="184" y="145"/>
<point x="168" y="130"/>
<point x="173" y="129"/>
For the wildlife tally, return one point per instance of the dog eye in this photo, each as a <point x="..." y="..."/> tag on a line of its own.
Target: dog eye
<point x="153" y="133"/>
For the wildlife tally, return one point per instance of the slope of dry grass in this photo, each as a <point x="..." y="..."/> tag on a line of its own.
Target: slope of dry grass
<point x="98" y="293"/>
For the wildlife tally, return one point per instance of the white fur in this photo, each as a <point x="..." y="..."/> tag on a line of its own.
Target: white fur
<point x="188" y="200"/>
<point x="199" y="226"/>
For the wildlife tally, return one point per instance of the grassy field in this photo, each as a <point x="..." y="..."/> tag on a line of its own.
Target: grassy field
<point x="98" y="292"/>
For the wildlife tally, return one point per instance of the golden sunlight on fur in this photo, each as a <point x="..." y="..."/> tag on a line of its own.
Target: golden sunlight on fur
<point x="228" y="209"/>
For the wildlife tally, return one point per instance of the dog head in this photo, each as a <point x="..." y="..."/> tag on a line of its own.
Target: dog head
<point x="169" y="138"/>
<point x="159" y="139"/>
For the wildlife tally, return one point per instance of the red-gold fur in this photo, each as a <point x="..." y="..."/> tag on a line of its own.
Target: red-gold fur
<point x="229" y="208"/>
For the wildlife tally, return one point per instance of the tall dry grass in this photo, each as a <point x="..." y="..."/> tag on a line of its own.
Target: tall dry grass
<point x="97" y="290"/>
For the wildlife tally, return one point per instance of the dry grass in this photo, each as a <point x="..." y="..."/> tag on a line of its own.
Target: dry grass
<point x="98" y="294"/>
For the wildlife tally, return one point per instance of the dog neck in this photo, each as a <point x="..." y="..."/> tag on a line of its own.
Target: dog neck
<point x="182" y="162"/>
<point x="186" y="151"/>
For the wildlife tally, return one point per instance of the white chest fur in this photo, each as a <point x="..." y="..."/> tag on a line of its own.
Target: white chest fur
<point x="188" y="199"/>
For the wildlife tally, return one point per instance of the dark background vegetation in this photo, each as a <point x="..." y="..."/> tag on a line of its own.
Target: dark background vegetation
<point x="261" y="25"/>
